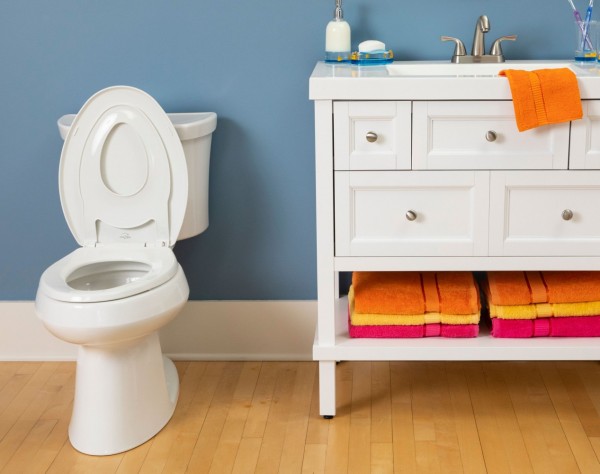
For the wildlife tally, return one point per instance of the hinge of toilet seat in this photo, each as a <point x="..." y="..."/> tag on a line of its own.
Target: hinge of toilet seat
<point x="159" y="243"/>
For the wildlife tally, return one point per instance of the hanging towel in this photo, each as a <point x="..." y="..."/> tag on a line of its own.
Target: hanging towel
<point x="371" y="319"/>
<point x="523" y="288"/>
<point x="544" y="96"/>
<point x="411" y="293"/>
<point x="556" y="327"/>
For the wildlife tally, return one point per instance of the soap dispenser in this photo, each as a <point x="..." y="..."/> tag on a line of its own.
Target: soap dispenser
<point x="337" y="37"/>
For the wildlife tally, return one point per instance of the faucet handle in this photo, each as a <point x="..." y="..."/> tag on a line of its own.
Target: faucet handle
<point x="496" y="49"/>
<point x="459" y="49"/>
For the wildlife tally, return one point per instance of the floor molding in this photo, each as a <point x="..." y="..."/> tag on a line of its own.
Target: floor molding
<point x="205" y="330"/>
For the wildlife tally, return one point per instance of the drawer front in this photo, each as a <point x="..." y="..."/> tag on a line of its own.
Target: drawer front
<point x="549" y="213"/>
<point x="372" y="135"/>
<point x="411" y="213"/>
<point x="483" y="135"/>
<point x="585" y="138"/>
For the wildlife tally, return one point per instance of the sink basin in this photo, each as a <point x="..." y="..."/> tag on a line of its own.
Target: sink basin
<point x="447" y="69"/>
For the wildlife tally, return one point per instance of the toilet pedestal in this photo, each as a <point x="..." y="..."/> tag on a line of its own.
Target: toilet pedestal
<point x="125" y="393"/>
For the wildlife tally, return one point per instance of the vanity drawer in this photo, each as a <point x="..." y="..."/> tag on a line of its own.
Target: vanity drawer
<point x="398" y="213"/>
<point x="585" y="137"/>
<point x="483" y="135"/>
<point x="372" y="135"/>
<point x="545" y="213"/>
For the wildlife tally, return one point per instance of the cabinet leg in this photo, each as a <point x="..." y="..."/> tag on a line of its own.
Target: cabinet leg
<point x="327" y="388"/>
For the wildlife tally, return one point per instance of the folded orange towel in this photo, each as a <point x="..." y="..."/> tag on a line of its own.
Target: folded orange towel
<point x="544" y="96"/>
<point x="413" y="293"/>
<point x="572" y="287"/>
<point x="388" y="292"/>
<point x="367" y="319"/>
<point x="521" y="288"/>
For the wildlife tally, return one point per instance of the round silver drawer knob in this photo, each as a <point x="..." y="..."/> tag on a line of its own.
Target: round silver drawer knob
<point x="567" y="214"/>
<point x="372" y="137"/>
<point x="491" y="136"/>
<point x="411" y="215"/>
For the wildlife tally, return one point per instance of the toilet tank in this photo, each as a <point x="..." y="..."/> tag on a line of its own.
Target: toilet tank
<point x="195" y="132"/>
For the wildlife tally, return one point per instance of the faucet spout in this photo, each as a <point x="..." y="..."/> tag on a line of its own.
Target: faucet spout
<point x="481" y="27"/>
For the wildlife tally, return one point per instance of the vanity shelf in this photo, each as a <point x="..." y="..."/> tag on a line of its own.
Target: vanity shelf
<point x="427" y="172"/>
<point x="483" y="347"/>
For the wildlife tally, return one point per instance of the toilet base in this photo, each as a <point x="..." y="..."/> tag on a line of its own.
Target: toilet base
<point x="125" y="393"/>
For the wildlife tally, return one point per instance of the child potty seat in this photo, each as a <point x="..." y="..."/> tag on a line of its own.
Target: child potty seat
<point x="123" y="175"/>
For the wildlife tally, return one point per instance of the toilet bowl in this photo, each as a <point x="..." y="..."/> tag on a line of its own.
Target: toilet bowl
<point x="123" y="182"/>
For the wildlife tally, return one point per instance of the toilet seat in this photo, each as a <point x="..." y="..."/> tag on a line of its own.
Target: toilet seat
<point x="151" y="266"/>
<point x="123" y="174"/>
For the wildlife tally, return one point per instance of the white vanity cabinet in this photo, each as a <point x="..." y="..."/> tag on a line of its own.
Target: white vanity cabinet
<point x="431" y="174"/>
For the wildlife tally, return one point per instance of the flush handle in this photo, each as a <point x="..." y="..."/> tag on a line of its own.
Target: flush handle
<point x="372" y="137"/>
<point x="491" y="136"/>
<point x="411" y="215"/>
<point x="567" y="214"/>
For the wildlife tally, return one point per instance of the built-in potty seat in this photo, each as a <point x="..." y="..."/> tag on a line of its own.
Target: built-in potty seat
<point x="123" y="175"/>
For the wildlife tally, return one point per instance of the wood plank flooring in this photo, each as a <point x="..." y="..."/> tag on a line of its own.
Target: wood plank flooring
<point x="263" y="417"/>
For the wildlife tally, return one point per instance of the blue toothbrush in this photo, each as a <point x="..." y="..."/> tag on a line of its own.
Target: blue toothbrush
<point x="586" y="24"/>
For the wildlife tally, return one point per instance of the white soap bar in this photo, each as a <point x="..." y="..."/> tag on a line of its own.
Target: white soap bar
<point x="370" y="45"/>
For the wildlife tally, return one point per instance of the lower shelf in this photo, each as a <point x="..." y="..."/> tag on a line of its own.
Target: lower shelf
<point x="483" y="347"/>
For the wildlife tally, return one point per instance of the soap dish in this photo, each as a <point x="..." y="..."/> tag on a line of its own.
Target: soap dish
<point x="372" y="58"/>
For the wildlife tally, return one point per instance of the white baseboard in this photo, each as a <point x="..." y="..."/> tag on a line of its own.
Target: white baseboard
<point x="205" y="330"/>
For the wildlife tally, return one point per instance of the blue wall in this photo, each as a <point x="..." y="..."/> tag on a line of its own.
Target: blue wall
<point x="249" y="61"/>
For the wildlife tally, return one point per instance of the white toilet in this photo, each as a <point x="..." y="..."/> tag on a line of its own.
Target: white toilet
<point x="132" y="181"/>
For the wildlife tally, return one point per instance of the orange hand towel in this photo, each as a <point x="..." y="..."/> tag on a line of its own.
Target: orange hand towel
<point x="522" y="288"/>
<point x="544" y="96"/>
<point x="413" y="293"/>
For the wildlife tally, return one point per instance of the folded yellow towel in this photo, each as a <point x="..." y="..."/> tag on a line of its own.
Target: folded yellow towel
<point x="522" y="288"/>
<point x="545" y="310"/>
<point x="366" y="319"/>
<point x="411" y="293"/>
<point x="544" y="96"/>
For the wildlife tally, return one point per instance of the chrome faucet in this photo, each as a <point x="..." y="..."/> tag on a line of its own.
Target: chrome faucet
<point x="481" y="28"/>
<point x="478" y="50"/>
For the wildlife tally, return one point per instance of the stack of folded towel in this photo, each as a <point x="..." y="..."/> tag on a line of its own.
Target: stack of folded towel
<point x="536" y="304"/>
<point x="413" y="304"/>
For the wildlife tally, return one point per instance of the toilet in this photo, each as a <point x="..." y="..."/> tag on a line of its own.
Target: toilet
<point x="132" y="180"/>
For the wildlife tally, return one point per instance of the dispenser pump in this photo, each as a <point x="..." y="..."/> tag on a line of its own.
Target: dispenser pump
<point x="338" y="14"/>
<point x="337" y="37"/>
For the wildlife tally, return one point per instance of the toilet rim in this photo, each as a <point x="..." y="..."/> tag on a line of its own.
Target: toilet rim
<point x="161" y="262"/>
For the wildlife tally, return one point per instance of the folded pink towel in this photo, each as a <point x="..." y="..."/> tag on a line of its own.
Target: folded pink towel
<point x="575" y="326"/>
<point x="412" y="331"/>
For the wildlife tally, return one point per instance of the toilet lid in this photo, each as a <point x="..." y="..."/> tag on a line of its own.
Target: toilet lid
<point x="123" y="175"/>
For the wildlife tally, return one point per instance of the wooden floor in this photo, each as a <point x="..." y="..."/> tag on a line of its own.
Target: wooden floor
<point x="392" y="417"/>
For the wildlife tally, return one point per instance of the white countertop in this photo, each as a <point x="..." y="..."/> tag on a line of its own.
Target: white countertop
<point x="349" y="82"/>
